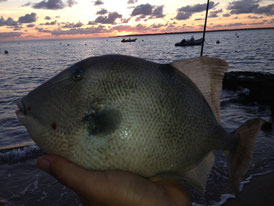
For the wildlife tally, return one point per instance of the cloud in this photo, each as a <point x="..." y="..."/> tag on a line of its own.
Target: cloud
<point x="73" y="31"/>
<point x="158" y="12"/>
<point x="183" y="15"/>
<point x="47" y="18"/>
<point x="267" y="10"/>
<point x="73" y="25"/>
<point x="186" y="12"/>
<point x="90" y="30"/>
<point x="271" y="21"/>
<point x="98" y="2"/>
<point x="31" y="25"/>
<point x="102" y="12"/>
<point x="242" y="6"/>
<point x="197" y="7"/>
<point x="138" y="28"/>
<point x="71" y="3"/>
<point x="254" y="17"/>
<point x="27" y="4"/>
<point x="43" y="30"/>
<point x="28" y="18"/>
<point x="234" y="24"/>
<point x="49" y="23"/>
<point x="125" y="20"/>
<point x="143" y="9"/>
<point x="156" y="26"/>
<point x="109" y="19"/>
<point x="8" y="22"/>
<point x="5" y="35"/>
<point x="49" y="4"/>
<point x="147" y="10"/>
<point x="92" y="23"/>
<point x="17" y="28"/>
<point x="132" y="1"/>
<point x="121" y="28"/>
<point x="215" y="13"/>
<point x="226" y="15"/>
<point x="258" y="23"/>
<point x="251" y="6"/>
<point x="217" y="26"/>
<point x="2" y="1"/>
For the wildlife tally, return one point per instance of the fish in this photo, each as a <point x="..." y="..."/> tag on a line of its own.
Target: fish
<point x="117" y="112"/>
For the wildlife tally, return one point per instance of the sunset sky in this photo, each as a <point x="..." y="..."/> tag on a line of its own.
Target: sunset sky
<point x="54" y="19"/>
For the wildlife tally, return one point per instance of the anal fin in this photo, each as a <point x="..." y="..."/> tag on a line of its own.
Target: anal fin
<point x="198" y="175"/>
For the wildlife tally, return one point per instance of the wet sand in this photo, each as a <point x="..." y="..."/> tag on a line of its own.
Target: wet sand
<point x="259" y="192"/>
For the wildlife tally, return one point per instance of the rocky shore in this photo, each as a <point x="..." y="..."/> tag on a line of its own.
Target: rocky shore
<point x="254" y="87"/>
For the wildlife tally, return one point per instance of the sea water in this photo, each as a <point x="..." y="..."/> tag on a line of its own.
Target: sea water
<point x="30" y="63"/>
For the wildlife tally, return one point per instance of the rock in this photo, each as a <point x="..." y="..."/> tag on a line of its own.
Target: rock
<point x="267" y="126"/>
<point x="256" y="86"/>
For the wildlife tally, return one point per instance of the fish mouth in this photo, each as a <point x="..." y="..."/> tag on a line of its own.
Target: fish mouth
<point x="22" y="115"/>
<point x="26" y="118"/>
<point x="21" y="108"/>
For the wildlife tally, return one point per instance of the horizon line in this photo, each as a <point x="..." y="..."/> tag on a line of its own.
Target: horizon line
<point x="140" y="34"/>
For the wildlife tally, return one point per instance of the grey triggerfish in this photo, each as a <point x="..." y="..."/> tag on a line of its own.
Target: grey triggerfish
<point x="126" y="113"/>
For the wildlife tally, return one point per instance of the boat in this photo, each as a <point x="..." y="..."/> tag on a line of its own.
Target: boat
<point x="129" y="40"/>
<point x="190" y="42"/>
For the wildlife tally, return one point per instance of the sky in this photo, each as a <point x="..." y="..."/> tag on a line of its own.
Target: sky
<point x="57" y="19"/>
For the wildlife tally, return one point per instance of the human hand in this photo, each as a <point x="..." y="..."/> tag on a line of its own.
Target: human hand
<point x="114" y="187"/>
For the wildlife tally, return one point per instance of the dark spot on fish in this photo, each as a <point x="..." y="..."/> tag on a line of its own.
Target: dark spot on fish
<point x="53" y="126"/>
<point x="104" y="122"/>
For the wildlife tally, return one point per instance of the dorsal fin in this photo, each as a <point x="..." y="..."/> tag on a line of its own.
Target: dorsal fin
<point x="207" y="73"/>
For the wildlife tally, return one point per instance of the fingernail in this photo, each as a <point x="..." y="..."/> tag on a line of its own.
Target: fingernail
<point x="44" y="164"/>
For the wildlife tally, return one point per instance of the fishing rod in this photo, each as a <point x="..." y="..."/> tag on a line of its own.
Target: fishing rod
<point x="202" y="48"/>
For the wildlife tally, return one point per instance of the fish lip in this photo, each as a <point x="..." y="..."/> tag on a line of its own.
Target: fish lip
<point x="21" y="106"/>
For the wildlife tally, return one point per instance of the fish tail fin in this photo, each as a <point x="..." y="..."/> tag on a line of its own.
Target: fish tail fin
<point x="241" y="155"/>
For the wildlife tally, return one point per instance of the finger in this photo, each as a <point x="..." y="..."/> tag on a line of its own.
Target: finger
<point x="175" y="190"/>
<point x="75" y="177"/>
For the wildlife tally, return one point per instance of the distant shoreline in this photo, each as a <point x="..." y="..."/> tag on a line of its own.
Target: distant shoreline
<point x="137" y="35"/>
<point x="187" y="32"/>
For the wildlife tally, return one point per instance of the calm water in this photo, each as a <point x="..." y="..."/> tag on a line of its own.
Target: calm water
<point x="30" y="63"/>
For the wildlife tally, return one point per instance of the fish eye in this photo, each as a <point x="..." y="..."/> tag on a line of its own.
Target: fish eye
<point x="77" y="74"/>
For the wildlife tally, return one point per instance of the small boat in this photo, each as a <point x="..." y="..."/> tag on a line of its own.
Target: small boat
<point x="129" y="40"/>
<point x="190" y="42"/>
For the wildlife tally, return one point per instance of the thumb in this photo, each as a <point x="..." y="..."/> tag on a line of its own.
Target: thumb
<point x="68" y="173"/>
